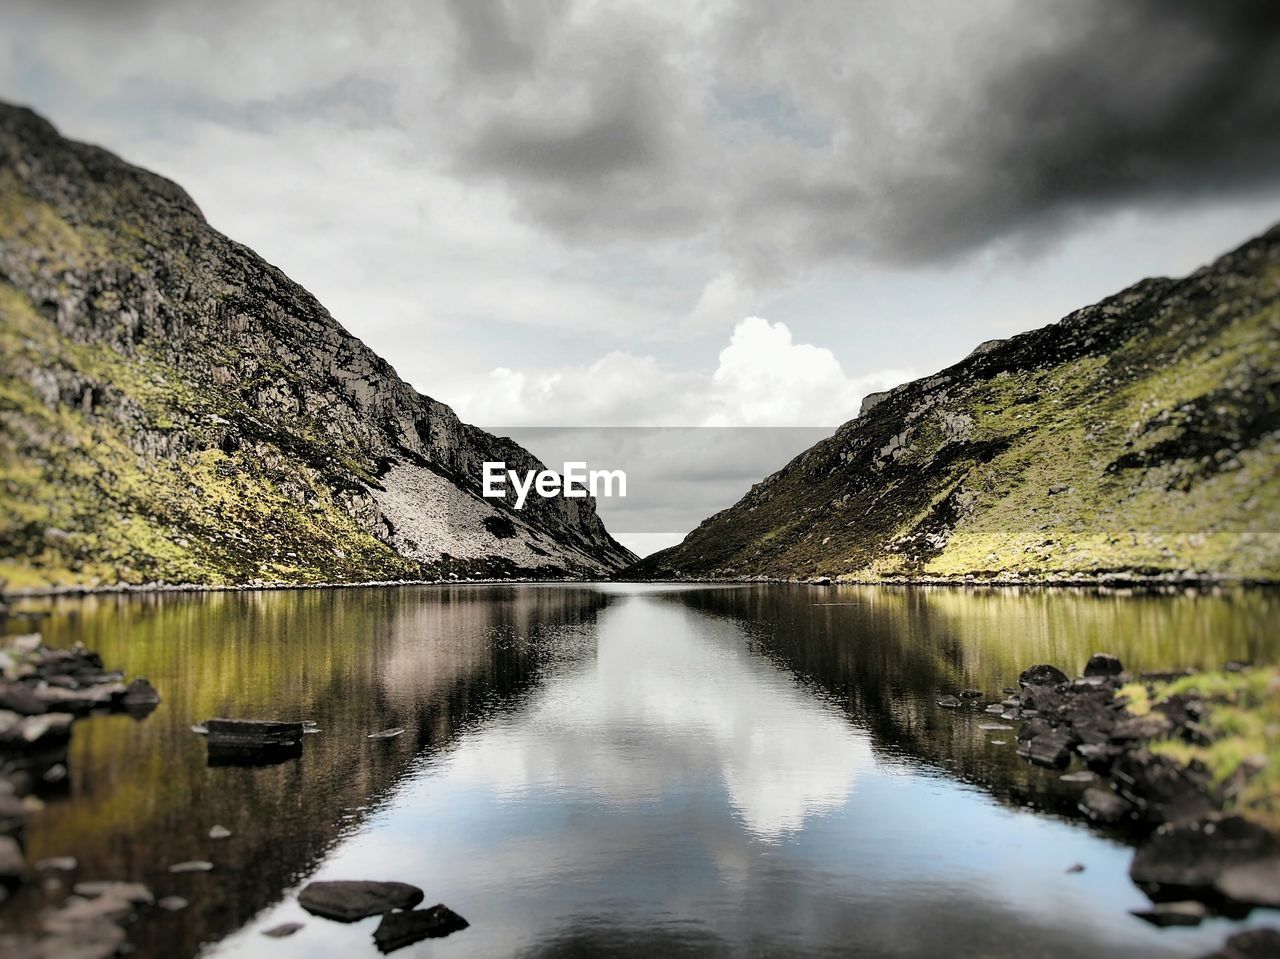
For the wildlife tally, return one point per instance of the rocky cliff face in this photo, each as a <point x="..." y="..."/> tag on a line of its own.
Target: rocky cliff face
<point x="1140" y="435"/>
<point x="172" y="407"/>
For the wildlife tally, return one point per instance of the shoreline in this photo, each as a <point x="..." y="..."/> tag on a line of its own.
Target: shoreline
<point x="1104" y="581"/>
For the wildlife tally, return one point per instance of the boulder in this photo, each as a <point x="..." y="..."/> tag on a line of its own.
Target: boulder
<point x="349" y="900"/>
<point x="1251" y="944"/>
<point x="140" y="693"/>
<point x="1163" y="789"/>
<point x="252" y="742"/>
<point x="1042" y="674"/>
<point x="949" y="702"/>
<point x="1103" y="665"/>
<point x="1186" y="860"/>
<point x="35" y="732"/>
<point x="1103" y="805"/>
<point x="1187" y="913"/>
<point x="1052" y="749"/>
<point x="1255" y="883"/>
<point x="12" y="862"/>
<point x="19" y="698"/>
<point x="971" y="694"/>
<point x="399" y="929"/>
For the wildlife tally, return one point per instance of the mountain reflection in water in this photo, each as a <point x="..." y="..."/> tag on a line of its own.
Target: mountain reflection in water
<point x="619" y="769"/>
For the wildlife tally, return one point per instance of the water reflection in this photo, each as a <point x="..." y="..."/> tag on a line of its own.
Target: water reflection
<point x="674" y="702"/>
<point x="619" y="770"/>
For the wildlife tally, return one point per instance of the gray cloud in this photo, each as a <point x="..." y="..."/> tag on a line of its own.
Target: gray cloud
<point x="1151" y="101"/>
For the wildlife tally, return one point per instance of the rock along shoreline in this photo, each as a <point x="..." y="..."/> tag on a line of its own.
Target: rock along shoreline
<point x="1162" y="760"/>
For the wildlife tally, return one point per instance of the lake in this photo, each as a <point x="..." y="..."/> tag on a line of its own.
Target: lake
<point x="623" y="770"/>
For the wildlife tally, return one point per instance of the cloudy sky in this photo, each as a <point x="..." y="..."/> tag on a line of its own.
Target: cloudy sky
<point x="588" y="213"/>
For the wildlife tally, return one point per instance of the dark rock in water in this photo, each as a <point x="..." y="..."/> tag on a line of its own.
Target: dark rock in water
<point x="1075" y="867"/>
<point x="91" y="938"/>
<point x="12" y="862"/>
<point x="140" y="699"/>
<point x="1251" y="944"/>
<point x="949" y="702"/>
<point x="399" y="929"/>
<point x="134" y="892"/>
<point x="1136" y="728"/>
<point x="1042" y="674"/>
<point x="252" y="742"/>
<point x="1186" y="860"/>
<point x="59" y="863"/>
<point x="1254" y="883"/>
<point x="1162" y="789"/>
<point x="34" y="732"/>
<point x="971" y="694"/>
<point x="1045" y="700"/>
<point x="1098" y="756"/>
<point x="349" y="900"/>
<point x="1083" y="776"/>
<point x="1052" y="749"/>
<point x="252" y="732"/>
<point x="1103" y="664"/>
<point x="1033" y="728"/>
<point x="1188" y="913"/>
<point x="1102" y="805"/>
<point x="282" y="930"/>
<point x="194" y="865"/>
<point x="18" y="698"/>
<point x="141" y="693"/>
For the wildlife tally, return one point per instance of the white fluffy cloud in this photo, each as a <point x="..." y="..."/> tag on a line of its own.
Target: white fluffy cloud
<point x="763" y="378"/>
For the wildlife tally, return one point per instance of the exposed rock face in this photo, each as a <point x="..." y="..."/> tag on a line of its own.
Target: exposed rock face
<point x="1136" y="437"/>
<point x="175" y="408"/>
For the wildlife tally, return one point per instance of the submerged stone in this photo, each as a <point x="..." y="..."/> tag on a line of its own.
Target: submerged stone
<point x="282" y="930"/>
<point x="1187" y="913"/>
<point x="949" y="702"/>
<point x="1052" y="749"/>
<point x="399" y="929"/>
<point x="349" y="900"/>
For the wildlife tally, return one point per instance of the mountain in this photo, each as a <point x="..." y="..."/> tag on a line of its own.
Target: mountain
<point x="1136" y="437"/>
<point x="174" y="408"/>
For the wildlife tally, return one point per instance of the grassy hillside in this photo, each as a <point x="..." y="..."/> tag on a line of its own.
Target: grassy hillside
<point x="174" y="408"/>
<point x="1140" y="435"/>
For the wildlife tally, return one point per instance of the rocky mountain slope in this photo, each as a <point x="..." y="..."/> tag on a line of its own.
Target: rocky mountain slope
<point x="174" y="408"/>
<point x="1139" y="436"/>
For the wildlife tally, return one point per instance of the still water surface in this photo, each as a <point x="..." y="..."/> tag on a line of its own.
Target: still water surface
<point x="620" y="770"/>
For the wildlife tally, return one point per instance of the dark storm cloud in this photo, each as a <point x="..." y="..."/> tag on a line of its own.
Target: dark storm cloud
<point x="781" y="138"/>
<point x="1050" y="111"/>
<point x="1155" y="101"/>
